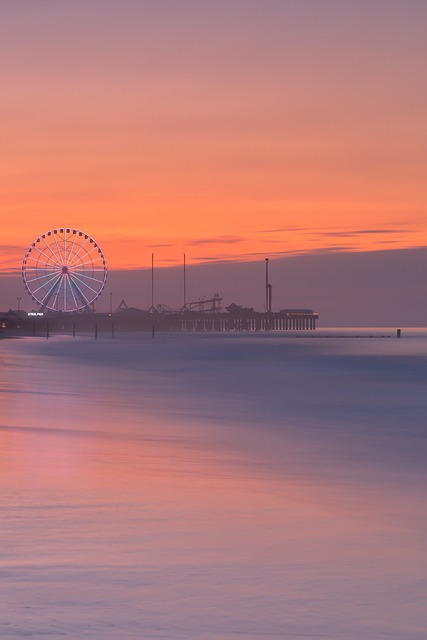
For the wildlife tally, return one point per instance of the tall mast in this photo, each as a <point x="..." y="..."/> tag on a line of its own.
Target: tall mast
<point x="152" y="281"/>
<point x="185" y="293"/>
<point x="266" y="286"/>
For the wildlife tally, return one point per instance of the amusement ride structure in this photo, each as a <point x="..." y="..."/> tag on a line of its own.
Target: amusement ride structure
<point x="64" y="270"/>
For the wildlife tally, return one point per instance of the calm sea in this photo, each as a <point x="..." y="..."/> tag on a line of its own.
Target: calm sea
<point x="214" y="487"/>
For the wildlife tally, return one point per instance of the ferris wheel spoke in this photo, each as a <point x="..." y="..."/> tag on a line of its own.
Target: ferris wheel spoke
<point x="83" y="264"/>
<point x="41" y="277"/>
<point x="41" y="267"/>
<point x="45" y="284"/>
<point x="64" y="291"/>
<point x="65" y="245"/>
<point x="72" y="292"/>
<point x="74" y="256"/>
<point x="60" y="257"/>
<point x="48" y="246"/>
<point x="47" y="257"/>
<point x="45" y="300"/>
<point x="57" y="292"/>
<point x="55" y="280"/>
<point x="37" y="268"/>
<point x="78" y="251"/>
<point x="54" y="256"/>
<point x="83" y="257"/>
<point x="96" y="292"/>
<point x="88" y="271"/>
<point x="71" y="250"/>
<point x="84" y="275"/>
<point x="79" y="292"/>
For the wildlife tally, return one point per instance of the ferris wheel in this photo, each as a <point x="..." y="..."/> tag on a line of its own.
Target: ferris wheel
<point x="64" y="270"/>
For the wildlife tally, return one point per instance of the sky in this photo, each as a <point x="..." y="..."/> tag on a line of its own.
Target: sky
<point x="229" y="130"/>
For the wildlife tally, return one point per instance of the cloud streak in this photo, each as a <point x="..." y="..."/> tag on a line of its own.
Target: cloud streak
<point x="10" y="259"/>
<point x="217" y="240"/>
<point x="354" y="233"/>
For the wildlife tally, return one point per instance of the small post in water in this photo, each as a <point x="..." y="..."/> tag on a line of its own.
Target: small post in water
<point x="112" y="330"/>
<point x="47" y="330"/>
<point x="154" y="330"/>
<point x="74" y="329"/>
<point x="96" y="332"/>
<point x="398" y="333"/>
<point x="34" y="329"/>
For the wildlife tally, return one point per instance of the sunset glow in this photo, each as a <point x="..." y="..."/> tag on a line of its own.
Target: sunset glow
<point x="225" y="130"/>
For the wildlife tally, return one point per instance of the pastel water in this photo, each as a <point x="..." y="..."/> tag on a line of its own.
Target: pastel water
<point x="214" y="486"/>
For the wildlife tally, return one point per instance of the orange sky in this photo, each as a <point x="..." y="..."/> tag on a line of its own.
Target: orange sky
<point x="228" y="130"/>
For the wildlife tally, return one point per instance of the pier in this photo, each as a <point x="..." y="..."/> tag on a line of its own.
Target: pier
<point x="236" y="320"/>
<point x="285" y="320"/>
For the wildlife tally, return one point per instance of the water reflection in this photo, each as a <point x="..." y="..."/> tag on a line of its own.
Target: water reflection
<point x="170" y="494"/>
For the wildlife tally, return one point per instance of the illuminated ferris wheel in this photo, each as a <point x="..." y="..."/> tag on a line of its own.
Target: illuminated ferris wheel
<point x="64" y="270"/>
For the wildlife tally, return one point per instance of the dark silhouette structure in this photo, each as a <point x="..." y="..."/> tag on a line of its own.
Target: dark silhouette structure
<point x="199" y="315"/>
<point x="233" y="318"/>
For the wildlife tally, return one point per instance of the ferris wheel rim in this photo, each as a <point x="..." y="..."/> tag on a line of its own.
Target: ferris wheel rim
<point x="64" y="270"/>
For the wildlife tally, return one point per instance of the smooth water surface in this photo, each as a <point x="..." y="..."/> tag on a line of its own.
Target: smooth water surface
<point x="214" y="486"/>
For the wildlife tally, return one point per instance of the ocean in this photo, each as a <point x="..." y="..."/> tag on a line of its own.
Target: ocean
<point x="214" y="486"/>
